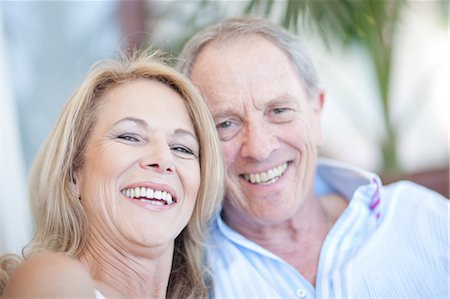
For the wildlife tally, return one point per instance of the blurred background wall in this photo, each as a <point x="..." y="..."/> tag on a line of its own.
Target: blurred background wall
<point x="48" y="46"/>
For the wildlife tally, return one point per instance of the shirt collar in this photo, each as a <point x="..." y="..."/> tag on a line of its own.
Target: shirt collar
<point x="337" y="177"/>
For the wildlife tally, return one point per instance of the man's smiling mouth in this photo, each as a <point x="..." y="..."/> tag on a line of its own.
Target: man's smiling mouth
<point x="267" y="177"/>
<point x="149" y="195"/>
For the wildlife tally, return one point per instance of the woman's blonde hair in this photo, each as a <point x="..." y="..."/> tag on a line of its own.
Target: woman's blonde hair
<point x="60" y="220"/>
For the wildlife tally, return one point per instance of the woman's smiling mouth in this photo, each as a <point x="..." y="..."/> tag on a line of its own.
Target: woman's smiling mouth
<point x="156" y="197"/>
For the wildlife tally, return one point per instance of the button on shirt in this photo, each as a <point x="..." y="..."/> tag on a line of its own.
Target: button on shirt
<point x="390" y="242"/>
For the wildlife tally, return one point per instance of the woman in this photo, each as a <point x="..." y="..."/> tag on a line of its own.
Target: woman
<point x="132" y="157"/>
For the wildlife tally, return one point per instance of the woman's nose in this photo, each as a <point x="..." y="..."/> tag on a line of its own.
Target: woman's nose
<point x="163" y="167"/>
<point x="160" y="159"/>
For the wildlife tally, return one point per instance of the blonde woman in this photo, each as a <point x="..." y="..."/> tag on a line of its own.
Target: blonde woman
<point x="123" y="190"/>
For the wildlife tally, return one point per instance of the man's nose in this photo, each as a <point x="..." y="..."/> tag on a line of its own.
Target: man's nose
<point x="259" y="141"/>
<point x="159" y="158"/>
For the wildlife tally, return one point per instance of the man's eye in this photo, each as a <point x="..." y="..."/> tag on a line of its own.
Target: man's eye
<point x="224" y="125"/>
<point x="281" y="115"/>
<point x="227" y="129"/>
<point x="279" y="110"/>
<point x="129" y="137"/>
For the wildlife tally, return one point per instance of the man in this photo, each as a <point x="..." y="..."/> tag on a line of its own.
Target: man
<point x="292" y="226"/>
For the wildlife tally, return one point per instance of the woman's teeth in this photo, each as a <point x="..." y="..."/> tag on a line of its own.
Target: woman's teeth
<point x="266" y="177"/>
<point x="149" y="195"/>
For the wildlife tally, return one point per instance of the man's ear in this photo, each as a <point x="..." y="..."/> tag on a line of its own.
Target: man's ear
<point x="318" y="104"/>
<point x="319" y="101"/>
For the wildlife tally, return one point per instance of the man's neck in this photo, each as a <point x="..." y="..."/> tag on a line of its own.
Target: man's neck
<point x="298" y="240"/>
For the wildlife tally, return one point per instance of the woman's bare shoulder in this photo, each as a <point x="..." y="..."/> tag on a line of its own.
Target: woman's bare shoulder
<point x="50" y="275"/>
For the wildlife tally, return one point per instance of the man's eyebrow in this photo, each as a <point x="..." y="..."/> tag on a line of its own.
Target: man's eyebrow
<point x="283" y="98"/>
<point x="224" y="113"/>
<point x="140" y="122"/>
<point x="224" y="109"/>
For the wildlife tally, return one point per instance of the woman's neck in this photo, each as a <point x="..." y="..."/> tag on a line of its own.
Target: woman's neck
<point x="120" y="273"/>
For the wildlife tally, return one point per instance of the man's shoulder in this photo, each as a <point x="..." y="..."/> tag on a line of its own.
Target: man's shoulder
<point x="415" y="207"/>
<point x="412" y="195"/>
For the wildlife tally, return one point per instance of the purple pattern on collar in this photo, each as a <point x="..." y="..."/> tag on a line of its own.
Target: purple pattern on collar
<point x="374" y="204"/>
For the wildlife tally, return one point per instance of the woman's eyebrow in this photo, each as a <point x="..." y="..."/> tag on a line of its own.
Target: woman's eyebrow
<point x="184" y="132"/>
<point x="140" y="122"/>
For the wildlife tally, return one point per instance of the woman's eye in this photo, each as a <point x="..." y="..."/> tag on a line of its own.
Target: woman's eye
<point x="184" y="150"/>
<point x="129" y="137"/>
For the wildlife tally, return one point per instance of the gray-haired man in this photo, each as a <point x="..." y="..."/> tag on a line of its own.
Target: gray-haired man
<point x="293" y="226"/>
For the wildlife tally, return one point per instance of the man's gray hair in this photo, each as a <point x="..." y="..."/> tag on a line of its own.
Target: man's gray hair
<point x="238" y="27"/>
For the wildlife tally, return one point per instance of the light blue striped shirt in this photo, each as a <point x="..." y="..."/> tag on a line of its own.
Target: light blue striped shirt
<point x="390" y="242"/>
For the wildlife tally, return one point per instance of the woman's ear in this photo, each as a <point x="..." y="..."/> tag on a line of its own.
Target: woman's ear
<point x="75" y="184"/>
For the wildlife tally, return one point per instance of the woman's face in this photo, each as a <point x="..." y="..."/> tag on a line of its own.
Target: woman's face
<point x="142" y="161"/>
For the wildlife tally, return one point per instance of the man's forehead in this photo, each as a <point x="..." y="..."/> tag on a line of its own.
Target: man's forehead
<point x="235" y="74"/>
<point x="227" y="45"/>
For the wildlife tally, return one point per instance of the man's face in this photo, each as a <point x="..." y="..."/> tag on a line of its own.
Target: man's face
<point x="269" y="129"/>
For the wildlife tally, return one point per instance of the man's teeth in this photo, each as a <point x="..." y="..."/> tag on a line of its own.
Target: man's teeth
<point x="266" y="177"/>
<point x="149" y="195"/>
